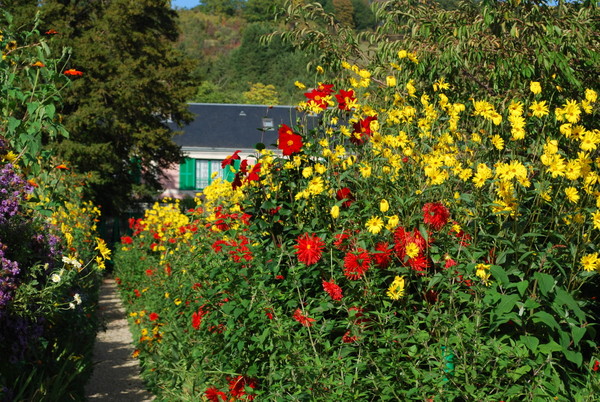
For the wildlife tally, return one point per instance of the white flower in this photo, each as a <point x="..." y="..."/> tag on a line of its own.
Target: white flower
<point x="77" y="298"/>
<point x="72" y="306"/>
<point x="55" y="278"/>
<point x="71" y="261"/>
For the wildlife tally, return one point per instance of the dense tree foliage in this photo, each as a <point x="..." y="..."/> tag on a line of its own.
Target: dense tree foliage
<point x="132" y="82"/>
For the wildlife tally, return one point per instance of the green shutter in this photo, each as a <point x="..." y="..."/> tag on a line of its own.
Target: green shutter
<point x="228" y="174"/>
<point x="187" y="174"/>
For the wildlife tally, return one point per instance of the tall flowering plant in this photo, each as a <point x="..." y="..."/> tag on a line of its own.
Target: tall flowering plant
<point x="411" y="246"/>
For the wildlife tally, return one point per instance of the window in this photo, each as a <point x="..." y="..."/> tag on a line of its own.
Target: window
<point x="196" y="174"/>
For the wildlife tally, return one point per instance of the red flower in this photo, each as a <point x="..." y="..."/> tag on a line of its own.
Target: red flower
<point x="51" y="32"/>
<point x="356" y="263"/>
<point x="340" y="240"/>
<point x="345" y="97"/>
<point x="420" y="263"/>
<point x="269" y="313"/>
<point x="449" y="263"/>
<point x="382" y="255"/>
<point x="346" y="338"/>
<point x="153" y="316"/>
<point x="237" y="386"/>
<point x="289" y="142"/>
<point x="334" y="291"/>
<point x="253" y="175"/>
<point x="213" y="394"/>
<point x="73" y="73"/>
<point x="403" y="237"/>
<point x="230" y="159"/>
<point x="435" y="214"/>
<point x="302" y="319"/>
<point x="319" y="97"/>
<point x="149" y="272"/>
<point x="327" y="89"/>
<point x="345" y="194"/>
<point x="362" y="130"/>
<point x="137" y="293"/>
<point x="126" y="240"/>
<point x="596" y="365"/>
<point x="309" y="248"/>
<point x="197" y="317"/>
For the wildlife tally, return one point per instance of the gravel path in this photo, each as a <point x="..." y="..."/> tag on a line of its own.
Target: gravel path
<point x="116" y="373"/>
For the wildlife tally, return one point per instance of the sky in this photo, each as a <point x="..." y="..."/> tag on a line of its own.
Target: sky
<point x="184" y="3"/>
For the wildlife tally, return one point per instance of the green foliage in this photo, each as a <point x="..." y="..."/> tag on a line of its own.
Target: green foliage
<point x="261" y="94"/>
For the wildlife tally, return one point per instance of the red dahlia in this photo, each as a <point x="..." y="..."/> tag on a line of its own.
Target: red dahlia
<point x="309" y="248"/>
<point x="334" y="291"/>
<point x="435" y="214"/>
<point x="356" y="263"/>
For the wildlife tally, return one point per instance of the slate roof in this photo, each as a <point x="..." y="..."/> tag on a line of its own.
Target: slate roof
<point x="218" y="125"/>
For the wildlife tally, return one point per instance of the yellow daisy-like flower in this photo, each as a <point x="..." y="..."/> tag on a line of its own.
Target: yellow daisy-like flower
<point x="535" y="87"/>
<point x="498" y="142"/>
<point x="103" y="249"/>
<point x="596" y="219"/>
<point x="412" y="250"/>
<point x="482" y="271"/>
<point x="396" y="289"/>
<point x="299" y="85"/>
<point x="390" y="81"/>
<point x="374" y="224"/>
<point x="393" y="221"/>
<point x="590" y="262"/>
<point x="572" y="194"/>
<point x="591" y="95"/>
<point x="539" y="109"/>
<point x="335" y="212"/>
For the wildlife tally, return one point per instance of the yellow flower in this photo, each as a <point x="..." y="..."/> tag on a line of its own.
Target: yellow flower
<point x="299" y="85"/>
<point x="590" y="262"/>
<point x="591" y="95"/>
<point x="539" y="109"/>
<point x="498" y="142"/>
<point x="335" y="212"/>
<point x="320" y="70"/>
<point x="307" y="172"/>
<point x="596" y="219"/>
<point x="393" y="221"/>
<point x="412" y="250"/>
<point x="402" y="54"/>
<point x="374" y="224"/>
<point x="481" y="270"/>
<point x="535" y="87"/>
<point x="572" y="194"/>
<point x="384" y="206"/>
<point x="390" y="81"/>
<point x="396" y="289"/>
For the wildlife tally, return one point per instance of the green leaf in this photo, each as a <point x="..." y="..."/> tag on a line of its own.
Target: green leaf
<point x="545" y="282"/>
<point x="530" y="341"/>
<point x="13" y="124"/>
<point x="500" y="274"/>
<point x="574" y="357"/>
<point x="507" y="303"/>
<point x="522" y="287"/>
<point x="544" y="317"/>
<point x="578" y="333"/>
<point x="549" y="347"/>
<point x="565" y="298"/>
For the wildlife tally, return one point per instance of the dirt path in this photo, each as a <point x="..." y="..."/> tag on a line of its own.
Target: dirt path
<point x="116" y="373"/>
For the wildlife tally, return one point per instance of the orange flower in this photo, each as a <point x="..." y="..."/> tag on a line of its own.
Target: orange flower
<point x="51" y="32"/>
<point x="73" y="73"/>
<point x="38" y="64"/>
<point x="62" y="166"/>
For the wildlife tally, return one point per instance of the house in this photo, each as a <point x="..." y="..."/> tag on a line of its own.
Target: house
<point x="217" y="131"/>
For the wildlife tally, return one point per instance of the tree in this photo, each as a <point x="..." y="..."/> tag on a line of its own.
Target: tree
<point x="344" y="12"/>
<point x="227" y="7"/>
<point x="133" y="82"/>
<point x="261" y="10"/>
<point x="261" y="94"/>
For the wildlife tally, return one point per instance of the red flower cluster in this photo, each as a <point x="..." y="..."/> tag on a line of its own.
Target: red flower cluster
<point x="436" y="215"/>
<point x="382" y="255"/>
<point x="356" y="263"/>
<point x="153" y="316"/>
<point x="231" y="159"/>
<point x="237" y="390"/>
<point x="309" y="248"/>
<point x="238" y="249"/>
<point x="319" y="97"/>
<point x="332" y="289"/>
<point x="302" y="319"/>
<point x="289" y="142"/>
<point x="402" y="239"/>
<point x="362" y="130"/>
<point x="344" y="98"/>
<point x="126" y="240"/>
<point x="198" y="316"/>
